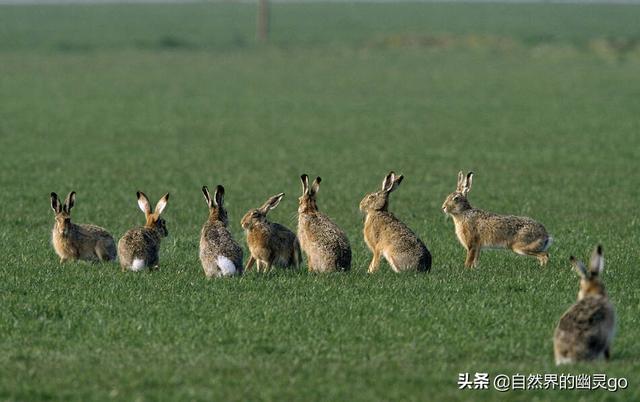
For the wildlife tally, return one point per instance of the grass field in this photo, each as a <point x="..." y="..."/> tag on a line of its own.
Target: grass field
<point x="541" y="101"/>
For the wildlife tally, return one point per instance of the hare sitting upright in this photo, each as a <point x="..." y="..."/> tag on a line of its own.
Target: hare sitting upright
<point x="220" y="254"/>
<point x="270" y="243"/>
<point x="139" y="248"/>
<point x="477" y="229"/>
<point x="586" y="330"/>
<point x="79" y="242"/>
<point x="325" y="244"/>
<point x="386" y="235"/>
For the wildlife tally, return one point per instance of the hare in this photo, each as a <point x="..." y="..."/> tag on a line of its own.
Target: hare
<point x="386" y="235"/>
<point x="139" y="247"/>
<point x="586" y="329"/>
<point x="270" y="243"/>
<point x="79" y="242"/>
<point x="477" y="229"/>
<point x="325" y="244"/>
<point x="220" y="254"/>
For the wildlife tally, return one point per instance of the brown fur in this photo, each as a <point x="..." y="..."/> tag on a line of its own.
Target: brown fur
<point x="477" y="229"/>
<point x="325" y="244"/>
<point x="586" y="329"/>
<point x="143" y="243"/>
<point x="270" y="244"/>
<point x="215" y="238"/>
<point x="78" y="242"/>
<point x="386" y="235"/>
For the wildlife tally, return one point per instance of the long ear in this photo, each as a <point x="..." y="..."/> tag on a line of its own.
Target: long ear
<point x="69" y="202"/>
<point x="579" y="267"/>
<point x="460" y="184"/>
<point x="207" y="196"/>
<point x="143" y="203"/>
<point x="466" y="187"/>
<point x="305" y="183"/>
<point x="387" y="182"/>
<point x="315" y="186"/>
<point x="597" y="261"/>
<point x="162" y="204"/>
<point x="219" y="196"/>
<point x="271" y="203"/>
<point x="55" y="203"/>
<point x="396" y="182"/>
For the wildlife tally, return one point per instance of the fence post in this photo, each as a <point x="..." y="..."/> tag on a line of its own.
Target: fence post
<point x="262" y="27"/>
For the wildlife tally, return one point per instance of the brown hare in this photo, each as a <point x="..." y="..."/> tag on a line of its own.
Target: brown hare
<point x="82" y="241"/>
<point x="270" y="243"/>
<point x="325" y="244"/>
<point x="220" y="254"/>
<point x="387" y="236"/>
<point x="139" y="247"/>
<point x="586" y="330"/>
<point x="477" y="229"/>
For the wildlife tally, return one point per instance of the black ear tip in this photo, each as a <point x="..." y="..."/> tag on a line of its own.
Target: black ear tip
<point x="167" y="196"/>
<point x="205" y="189"/>
<point x="318" y="179"/>
<point x="138" y="193"/>
<point x="572" y="258"/>
<point x="304" y="176"/>
<point x="220" y="188"/>
<point x="281" y="195"/>
<point x="54" y="195"/>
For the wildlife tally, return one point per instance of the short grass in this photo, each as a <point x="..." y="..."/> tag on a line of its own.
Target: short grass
<point x="541" y="101"/>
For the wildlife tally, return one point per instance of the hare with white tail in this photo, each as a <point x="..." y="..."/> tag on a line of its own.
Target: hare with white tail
<point x="325" y="244"/>
<point x="220" y="254"/>
<point x="477" y="229"/>
<point x="79" y="242"/>
<point x="270" y="243"/>
<point x="139" y="248"/>
<point x="586" y="330"/>
<point x="386" y="235"/>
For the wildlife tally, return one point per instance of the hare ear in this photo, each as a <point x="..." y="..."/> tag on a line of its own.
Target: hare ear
<point x="579" y="267"/>
<point x="219" y="196"/>
<point x="207" y="196"/>
<point x="305" y="183"/>
<point x="597" y="261"/>
<point x="143" y="203"/>
<point x="387" y="182"/>
<point x="69" y="202"/>
<point x="55" y="203"/>
<point x="460" y="184"/>
<point x="162" y="204"/>
<point x="466" y="187"/>
<point x="396" y="182"/>
<point x="315" y="186"/>
<point x="271" y="203"/>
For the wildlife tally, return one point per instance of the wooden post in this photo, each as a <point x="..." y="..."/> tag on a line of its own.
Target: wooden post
<point x="262" y="26"/>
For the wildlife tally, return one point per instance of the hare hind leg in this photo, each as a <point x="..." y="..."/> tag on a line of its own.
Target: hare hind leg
<point x="105" y="251"/>
<point x="533" y="250"/>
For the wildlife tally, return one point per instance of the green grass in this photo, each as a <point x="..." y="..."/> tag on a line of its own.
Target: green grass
<point x="541" y="101"/>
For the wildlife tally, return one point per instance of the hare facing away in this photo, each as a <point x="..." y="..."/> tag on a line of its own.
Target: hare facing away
<point x="139" y="248"/>
<point x="325" y="244"/>
<point x="220" y="254"/>
<point x="79" y="242"/>
<point x="477" y="229"/>
<point x="386" y="235"/>
<point x="586" y="329"/>
<point x="270" y="244"/>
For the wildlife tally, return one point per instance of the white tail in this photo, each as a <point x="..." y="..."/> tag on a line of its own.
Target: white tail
<point x="137" y="264"/>
<point x="226" y="265"/>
